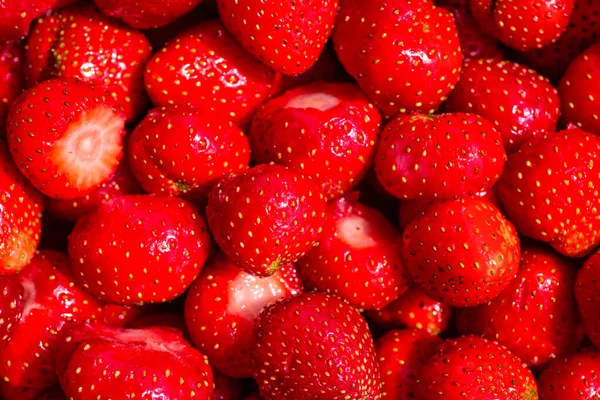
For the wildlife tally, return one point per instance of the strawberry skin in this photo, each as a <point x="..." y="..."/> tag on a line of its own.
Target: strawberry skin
<point x="549" y="190"/>
<point x="357" y="258"/>
<point x="519" y="102"/>
<point x="148" y="13"/>
<point x="463" y="252"/>
<point x="98" y="361"/>
<point x="155" y="246"/>
<point x="205" y="66"/>
<point x="401" y="63"/>
<point x="265" y="217"/>
<point x="17" y="15"/>
<point x="292" y="359"/>
<point x="12" y="78"/>
<point x="439" y="156"/>
<point x="587" y="288"/>
<point x="222" y="305"/>
<point x="331" y="131"/>
<point x="575" y="376"/>
<point x="288" y="35"/>
<point x="11" y="307"/>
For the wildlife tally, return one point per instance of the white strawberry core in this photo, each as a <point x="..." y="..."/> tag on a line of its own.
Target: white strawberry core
<point x="29" y="302"/>
<point x="355" y="231"/>
<point x="319" y="101"/>
<point x="248" y="294"/>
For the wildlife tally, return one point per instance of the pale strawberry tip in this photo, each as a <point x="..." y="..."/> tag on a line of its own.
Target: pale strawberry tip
<point x="318" y="101"/>
<point x="354" y="231"/>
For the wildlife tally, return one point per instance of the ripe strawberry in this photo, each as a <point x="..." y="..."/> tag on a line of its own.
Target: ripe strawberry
<point x="183" y="151"/>
<point x="82" y="43"/>
<point x="17" y="15"/>
<point x="205" y="66"/>
<point x="226" y="387"/>
<point x="580" y="93"/>
<point x="463" y="252"/>
<point x="11" y="78"/>
<point x="414" y="309"/>
<point x="357" y="258"/>
<point x="120" y="316"/>
<point x="287" y="35"/>
<point x="155" y="247"/>
<point x="519" y="102"/>
<point x="575" y="376"/>
<point x="65" y="136"/>
<point x="222" y="305"/>
<point x="146" y="14"/>
<point x="401" y="353"/>
<point x="474" y="368"/>
<point x="440" y="156"/>
<point x="51" y="304"/>
<point x="535" y="317"/>
<point x="587" y="287"/>
<point x="549" y="190"/>
<point x="265" y="217"/>
<point x="110" y="363"/>
<point x="314" y="346"/>
<point x="11" y="307"/>
<point x="402" y="63"/>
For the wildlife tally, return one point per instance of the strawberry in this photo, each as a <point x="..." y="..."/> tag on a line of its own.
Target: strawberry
<point x="168" y="146"/>
<point x="519" y="102"/>
<point x="474" y="368"/>
<point x="401" y="63"/>
<point x="414" y="309"/>
<point x="580" y="92"/>
<point x="205" y="66"/>
<point x="401" y="353"/>
<point x="51" y="304"/>
<point x="20" y="216"/>
<point x="265" y="217"/>
<point x="549" y="190"/>
<point x="314" y="346"/>
<point x="115" y="363"/>
<point x="575" y="376"/>
<point x="535" y="317"/>
<point x="65" y="136"/>
<point x="587" y="286"/>
<point x="226" y="387"/>
<point x="11" y="77"/>
<point x="222" y="305"/>
<point x="357" y="258"/>
<point x="146" y="14"/>
<point x="159" y="37"/>
<point x="440" y="156"/>
<point x="11" y="307"/>
<point x="119" y="315"/>
<point x="82" y="43"/>
<point x="463" y="252"/>
<point x="17" y="15"/>
<point x="155" y="246"/>
<point x="288" y="35"/>
<point x="331" y="131"/>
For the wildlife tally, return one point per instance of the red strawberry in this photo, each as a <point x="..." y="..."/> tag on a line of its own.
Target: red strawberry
<point x="463" y="252"/>
<point x="119" y="315"/>
<point x="314" y="346"/>
<point x="440" y="156"/>
<point x="222" y="305"/>
<point x="331" y="131"/>
<point x="266" y="217"/>
<point x="183" y="151"/>
<point x="146" y="14"/>
<point x="357" y="258"/>
<point x="114" y="363"/>
<point x="20" y="216"/>
<point x="11" y="77"/>
<point x="549" y="190"/>
<point x="226" y="387"/>
<point x="288" y="35"/>
<point x="414" y="309"/>
<point x="402" y="63"/>
<point x="11" y="307"/>
<point x="579" y="91"/>
<point x="535" y="317"/>
<point x="205" y="66"/>
<point x="519" y="102"/>
<point x="51" y="304"/>
<point x="587" y="290"/>
<point x="474" y="368"/>
<point x="401" y="353"/>
<point x="17" y="15"/>
<point x="573" y="377"/>
<point x="65" y="136"/>
<point x="139" y="249"/>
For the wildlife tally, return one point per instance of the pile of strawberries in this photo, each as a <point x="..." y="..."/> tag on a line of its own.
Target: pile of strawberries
<point x="300" y="200"/>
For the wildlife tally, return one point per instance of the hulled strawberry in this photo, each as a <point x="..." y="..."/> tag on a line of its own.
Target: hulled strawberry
<point x="330" y="134"/>
<point x="82" y="43"/>
<point x="139" y="249"/>
<point x="12" y="78"/>
<point x="266" y="217"/>
<point x="65" y="137"/>
<point x="205" y="66"/>
<point x="314" y="346"/>
<point x="183" y="151"/>
<point x="17" y="15"/>
<point x="587" y="290"/>
<point x="11" y="307"/>
<point x="222" y="305"/>
<point x="288" y="35"/>
<point x="146" y="14"/>
<point x="575" y="376"/>
<point x="549" y="190"/>
<point x="402" y="63"/>
<point x="463" y="252"/>
<point x="109" y="363"/>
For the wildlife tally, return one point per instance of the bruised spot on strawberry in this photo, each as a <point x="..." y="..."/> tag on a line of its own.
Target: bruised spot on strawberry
<point x="355" y="232"/>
